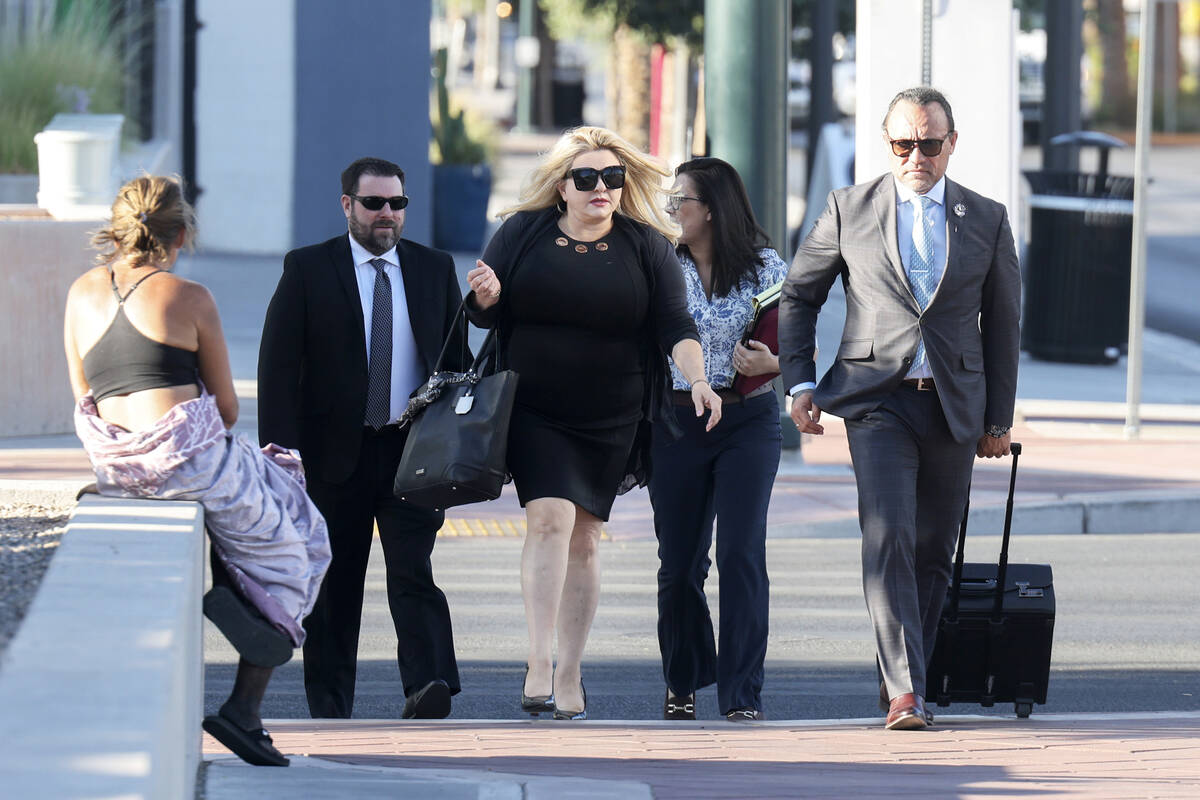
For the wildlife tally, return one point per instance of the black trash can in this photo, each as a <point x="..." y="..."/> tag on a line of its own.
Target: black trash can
<point x="567" y="94"/>
<point x="1076" y="271"/>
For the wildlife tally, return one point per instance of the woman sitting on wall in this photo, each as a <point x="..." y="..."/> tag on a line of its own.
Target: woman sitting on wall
<point x="154" y="404"/>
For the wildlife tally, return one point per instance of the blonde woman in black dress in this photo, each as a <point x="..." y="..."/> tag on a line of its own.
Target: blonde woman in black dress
<point x="584" y="285"/>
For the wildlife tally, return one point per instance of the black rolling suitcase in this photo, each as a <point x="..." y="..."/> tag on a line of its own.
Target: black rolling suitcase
<point x="993" y="646"/>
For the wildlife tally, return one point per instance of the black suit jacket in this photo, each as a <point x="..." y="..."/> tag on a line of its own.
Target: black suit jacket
<point x="312" y="362"/>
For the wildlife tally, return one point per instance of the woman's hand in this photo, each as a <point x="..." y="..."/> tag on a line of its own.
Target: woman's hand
<point x="754" y="358"/>
<point x="485" y="284"/>
<point x="703" y="396"/>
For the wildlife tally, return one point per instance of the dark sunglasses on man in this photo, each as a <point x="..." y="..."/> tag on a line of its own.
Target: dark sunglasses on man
<point x="585" y="177"/>
<point x="374" y="202"/>
<point x="928" y="147"/>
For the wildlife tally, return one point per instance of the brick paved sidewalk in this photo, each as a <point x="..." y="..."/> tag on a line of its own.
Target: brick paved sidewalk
<point x="1093" y="756"/>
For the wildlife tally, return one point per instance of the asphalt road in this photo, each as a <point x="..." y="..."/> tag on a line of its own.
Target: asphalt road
<point x="1127" y="637"/>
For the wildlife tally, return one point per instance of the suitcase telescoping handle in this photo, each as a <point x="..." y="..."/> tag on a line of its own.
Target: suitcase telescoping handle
<point x="1002" y="568"/>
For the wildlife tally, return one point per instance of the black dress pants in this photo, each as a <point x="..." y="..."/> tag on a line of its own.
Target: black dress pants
<point x="726" y="473"/>
<point x="425" y="649"/>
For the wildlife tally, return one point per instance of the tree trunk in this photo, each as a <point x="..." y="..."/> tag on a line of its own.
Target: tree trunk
<point x="629" y="89"/>
<point x="1116" y="97"/>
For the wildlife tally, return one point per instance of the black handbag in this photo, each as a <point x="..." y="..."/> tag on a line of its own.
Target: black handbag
<point x="457" y="447"/>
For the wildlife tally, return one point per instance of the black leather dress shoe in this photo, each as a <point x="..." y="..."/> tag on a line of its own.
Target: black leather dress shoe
<point x="677" y="707"/>
<point x="568" y="714"/>
<point x="430" y="702"/>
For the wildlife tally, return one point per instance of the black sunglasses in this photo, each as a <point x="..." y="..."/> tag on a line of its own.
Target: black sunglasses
<point x="585" y="177"/>
<point x="374" y="202"/>
<point x="928" y="147"/>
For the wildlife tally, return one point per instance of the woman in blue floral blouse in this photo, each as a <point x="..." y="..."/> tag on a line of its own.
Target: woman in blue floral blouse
<point x="726" y="473"/>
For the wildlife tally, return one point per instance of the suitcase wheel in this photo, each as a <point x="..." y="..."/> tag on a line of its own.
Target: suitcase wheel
<point x="1023" y="709"/>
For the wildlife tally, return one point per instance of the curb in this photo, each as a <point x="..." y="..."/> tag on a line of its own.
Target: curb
<point x="1113" y="512"/>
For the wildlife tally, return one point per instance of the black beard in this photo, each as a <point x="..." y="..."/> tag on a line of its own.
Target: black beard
<point x="376" y="241"/>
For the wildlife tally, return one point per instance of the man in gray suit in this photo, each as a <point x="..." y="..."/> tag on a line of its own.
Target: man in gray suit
<point x="925" y="376"/>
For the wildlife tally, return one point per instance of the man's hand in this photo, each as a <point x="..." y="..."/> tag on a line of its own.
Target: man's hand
<point x="754" y="358"/>
<point x="993" y="446"/>
<point x="485" y="284"/>
<point x="704" y="397"/>
<point x="806" y="414"/>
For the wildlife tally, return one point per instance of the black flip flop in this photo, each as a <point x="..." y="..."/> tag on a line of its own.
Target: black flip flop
<point x="253" y="747"/>
<point x="255" y="639"/>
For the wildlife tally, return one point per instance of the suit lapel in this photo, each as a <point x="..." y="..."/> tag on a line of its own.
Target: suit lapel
<point x="954" y="225"/>
<point x="884" y="204"/>
<point x="343" y="268"/>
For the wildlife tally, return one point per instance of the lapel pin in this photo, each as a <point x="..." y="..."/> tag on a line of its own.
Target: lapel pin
<point x="960" y="209"/>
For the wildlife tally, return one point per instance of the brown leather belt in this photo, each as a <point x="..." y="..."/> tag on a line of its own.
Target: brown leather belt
<point x="684" y="398"/>
<point x="921" y="384"/>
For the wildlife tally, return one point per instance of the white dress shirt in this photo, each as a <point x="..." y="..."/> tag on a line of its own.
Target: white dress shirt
<point x="407" y="373"/>
<point x="935" y="219"/>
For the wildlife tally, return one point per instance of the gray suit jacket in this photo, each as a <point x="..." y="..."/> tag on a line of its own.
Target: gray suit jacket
<point x="971" y="327"/>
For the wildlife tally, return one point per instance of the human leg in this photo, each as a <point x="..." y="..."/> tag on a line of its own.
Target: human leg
<point x="681" y="494"/>
<point x="886" y="455"/>
<point x="331" y="646"/>
<point x="577" y="609"/>
<point x="942" y="486"/>
<point x="745" y="474"/>
<point x="548" y="525"/>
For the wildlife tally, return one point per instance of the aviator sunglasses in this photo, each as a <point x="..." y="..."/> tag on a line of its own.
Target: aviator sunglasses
<point x="585" y="177"/>
<point x="928" y="147"/>
<point x="374" y="202"/>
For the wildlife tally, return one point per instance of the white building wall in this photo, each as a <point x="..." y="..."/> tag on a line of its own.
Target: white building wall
<point x="972" y="64"/>
<point x="245" y="120"/>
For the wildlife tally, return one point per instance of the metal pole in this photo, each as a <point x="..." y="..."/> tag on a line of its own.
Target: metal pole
<point x="746" y="55"/>
<point x="820" y="107"/>
<point x="1137" y="266"/>
<point x="1060" y="104"/>
<point x="927" y="42"/>
<point x="527" y="34"/>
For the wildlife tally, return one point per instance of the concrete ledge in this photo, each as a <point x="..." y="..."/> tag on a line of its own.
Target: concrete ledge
<point x="101" y="691"/>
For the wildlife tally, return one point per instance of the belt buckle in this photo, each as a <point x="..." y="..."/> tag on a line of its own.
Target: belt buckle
<point x="924" y="384"/>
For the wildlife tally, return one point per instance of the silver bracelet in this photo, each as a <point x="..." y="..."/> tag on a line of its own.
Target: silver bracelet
<point x="692" y="385"/>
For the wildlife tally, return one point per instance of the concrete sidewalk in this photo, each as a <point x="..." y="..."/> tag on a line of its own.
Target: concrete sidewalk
<point x="1093" y="756"/>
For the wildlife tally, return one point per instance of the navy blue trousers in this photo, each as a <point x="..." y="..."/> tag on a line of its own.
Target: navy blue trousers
<point x="726" y="474"/>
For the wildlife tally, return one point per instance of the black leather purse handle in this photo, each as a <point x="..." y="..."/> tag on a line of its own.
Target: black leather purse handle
<point x="486" y="351"/>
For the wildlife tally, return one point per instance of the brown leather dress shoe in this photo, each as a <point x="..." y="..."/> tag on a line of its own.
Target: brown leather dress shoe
<point x="906" y="712"/>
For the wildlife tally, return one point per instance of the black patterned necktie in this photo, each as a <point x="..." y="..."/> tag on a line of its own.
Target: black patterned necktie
<point x="379" y="370"/>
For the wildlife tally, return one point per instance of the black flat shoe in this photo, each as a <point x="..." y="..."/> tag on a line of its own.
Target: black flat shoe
<point x="539" y="703"/>
<point x="252" y="746"/>
<point x="679" y="707"/>
<point x="744" y="715"/>
<point x="430" y="702"/>
<point x="581" y="714"/>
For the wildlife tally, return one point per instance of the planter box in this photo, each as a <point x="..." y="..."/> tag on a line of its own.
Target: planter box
<point x="460" y="202"/>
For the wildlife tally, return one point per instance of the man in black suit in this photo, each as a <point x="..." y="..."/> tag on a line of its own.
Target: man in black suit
<point x="356" y="324"/>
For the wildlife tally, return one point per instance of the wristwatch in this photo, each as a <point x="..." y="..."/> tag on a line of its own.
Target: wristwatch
<point x="998" y="431"/>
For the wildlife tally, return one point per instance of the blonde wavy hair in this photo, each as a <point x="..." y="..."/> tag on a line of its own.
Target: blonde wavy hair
<point x="147" y="216"/>
<point x="641" y="198"/>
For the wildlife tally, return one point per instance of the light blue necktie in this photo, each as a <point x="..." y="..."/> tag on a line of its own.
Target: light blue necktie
<point x="379" y="371"/>
<point x="920" y="263"/>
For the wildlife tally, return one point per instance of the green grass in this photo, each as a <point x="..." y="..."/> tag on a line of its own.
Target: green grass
<point x="38" y="78"/>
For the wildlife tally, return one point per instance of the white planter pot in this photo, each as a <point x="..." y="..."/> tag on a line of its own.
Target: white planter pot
<point x="78" y="159"/>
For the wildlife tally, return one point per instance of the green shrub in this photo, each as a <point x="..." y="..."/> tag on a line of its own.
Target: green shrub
<point x="76" y="62"/>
